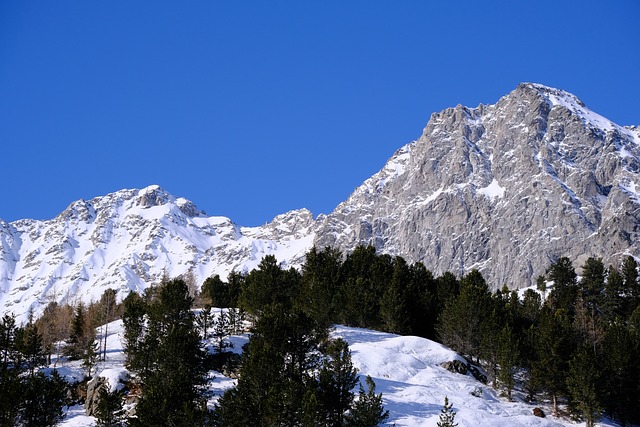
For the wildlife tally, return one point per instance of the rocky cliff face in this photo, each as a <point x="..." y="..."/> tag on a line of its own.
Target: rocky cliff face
<point x="504" y="188"/>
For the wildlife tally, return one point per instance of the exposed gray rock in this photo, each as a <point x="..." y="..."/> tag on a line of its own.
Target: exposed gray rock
<point x="505" y="188"/>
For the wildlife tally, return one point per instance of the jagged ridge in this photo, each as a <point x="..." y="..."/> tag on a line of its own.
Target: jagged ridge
<point x="504" y="188"/>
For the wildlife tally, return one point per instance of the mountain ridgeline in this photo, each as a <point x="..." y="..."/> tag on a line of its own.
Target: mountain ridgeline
<point x="506" y="189"/>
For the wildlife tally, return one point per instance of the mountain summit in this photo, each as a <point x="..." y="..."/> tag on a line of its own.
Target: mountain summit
<point x="504" y="188"/>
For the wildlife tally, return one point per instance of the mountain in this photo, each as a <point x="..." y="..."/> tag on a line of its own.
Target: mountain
<point x="128" y="240"/>
<point x="504" y="188"/>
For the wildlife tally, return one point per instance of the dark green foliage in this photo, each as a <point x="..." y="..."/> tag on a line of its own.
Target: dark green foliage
<point x="631" y="286"/>
<point x="77" y="342"/>
<point x="592" y="283"/>
<point x="268" y="285"/>
<point x="583" y="382"/>
<point x="460" y="322"/>
<point x="336" y="379"/>
<point x="366" y="277"/>
<point x="10" y="386"/>
<point x="133" y="321"/>
<point x="29" y="344"/>
<point x="321" y="284"/>
<point x="613" y="304"/>
<point x="508" y="356"/>
<point x="216" y="292"/>
<point x="447" y="415"/>
<point x="554" y="345"/>
<point x="109" y="411"/>
<point x="291" y="374"/>
<point x="565" y="287"/>
<point x="621" y="374"/>
<point x="43" y="400"/>
<point x="171" y="379"/>
<point x="395" y="303"/>
<point x="367" y="409"/>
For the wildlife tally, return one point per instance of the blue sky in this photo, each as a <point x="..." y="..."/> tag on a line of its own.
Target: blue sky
<point x="254" y="108"/>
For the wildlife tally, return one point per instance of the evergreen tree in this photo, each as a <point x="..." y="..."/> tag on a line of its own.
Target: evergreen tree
<point x="554" y="345"/>
<point x="171" y="393"/>
<point x="447" y="415"/>
<point x="335" y="382"/>
<point x="109" y="410"/>
<point x="422" y="305"/>
<point x="43" y="401"/>
<point x="621" y="375"/>
<point x="29" y="344"/>
<point x="508" y="356"/>
<point x="460" y="322"/>
<point x="321" y="283"/>
<point x="205" y="320"/>
<point x="583" y="381"/>
<point x="77" y="341"/>
<point x="367" y="410"/>
<point x="394" y="306"/>
<point x="268" y="285"/>
<point x="134" y="309"/>
<point x="614" y="298"/>
<point x="631" y="285"/>
<point x="565" y="289"/>
<point x="90" y="355"/>
<point x="216" y="292"/>
<point x="10" y="387"/>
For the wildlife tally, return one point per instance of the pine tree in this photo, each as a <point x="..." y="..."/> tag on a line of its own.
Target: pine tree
<point x="44" y="399"/>
<point x="553" y="345"/>
<point x="134" y="325"/>
<point x="77" y="341"/>
<point x="216" y="292"/>
<point x="11" y="389"/>
<point x="583" y="381"/>
<point x="109" y="410"/>
<point x="565" y="287"/>
<point x="29" y="343"/>
<point x="336" y="379"/>
<point x="90" y="355"/>
<point x="171" y="393"/>
<point x="394" y="306"/>
<point x="447" y="415"/>
<point x="367" y="410"/>
<point x="461" y="320"/>
<point x="507" y="357"/>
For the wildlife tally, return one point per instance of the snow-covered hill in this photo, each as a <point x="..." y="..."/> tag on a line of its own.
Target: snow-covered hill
<point x="128" y="240"/>
<point x="405" y="369"/>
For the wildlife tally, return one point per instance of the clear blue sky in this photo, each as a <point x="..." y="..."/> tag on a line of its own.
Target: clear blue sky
<point x="254" y="108"/>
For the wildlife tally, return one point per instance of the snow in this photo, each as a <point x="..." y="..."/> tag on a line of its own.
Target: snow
<point x="406" y="371"/>
<point x="128" y="240"/>
<point x="492" y="190"/>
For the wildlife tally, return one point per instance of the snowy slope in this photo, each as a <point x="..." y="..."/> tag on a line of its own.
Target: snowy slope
<point x="129" y="240"/>
<point x="405" y="369"/>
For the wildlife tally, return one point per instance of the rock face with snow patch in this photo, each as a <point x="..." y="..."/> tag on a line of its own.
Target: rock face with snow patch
<point x="504" y="188"/>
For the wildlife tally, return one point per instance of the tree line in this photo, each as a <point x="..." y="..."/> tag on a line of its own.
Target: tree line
<point x="574" y="340"/>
